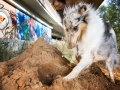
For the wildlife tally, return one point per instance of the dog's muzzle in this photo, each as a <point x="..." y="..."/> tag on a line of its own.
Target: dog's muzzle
<point x="71" y="45"/>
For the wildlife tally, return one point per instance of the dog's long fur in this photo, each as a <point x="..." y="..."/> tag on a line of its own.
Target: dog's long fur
<point x="90" y="37"/>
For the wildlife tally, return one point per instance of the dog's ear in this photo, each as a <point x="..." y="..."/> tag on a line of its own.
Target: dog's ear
<point x="82" y="9"/>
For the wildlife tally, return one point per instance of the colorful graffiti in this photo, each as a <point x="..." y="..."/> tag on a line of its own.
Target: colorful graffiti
<point x="18" y="25"/>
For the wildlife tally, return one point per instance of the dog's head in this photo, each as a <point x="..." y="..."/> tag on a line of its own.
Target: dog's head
<point x="75" y="21"/>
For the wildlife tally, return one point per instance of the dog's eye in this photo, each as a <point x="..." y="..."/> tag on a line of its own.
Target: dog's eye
<point x="75" y="28"/>
<point x="78" y="19"/>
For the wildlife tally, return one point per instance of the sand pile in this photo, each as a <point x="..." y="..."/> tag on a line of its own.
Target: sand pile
<point x="41" y="67"/>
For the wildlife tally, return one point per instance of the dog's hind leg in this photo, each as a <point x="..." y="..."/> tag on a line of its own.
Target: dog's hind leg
<point x="84" y="63"/>
<point x="110" y="69"/>
<point x="112" y="62"/>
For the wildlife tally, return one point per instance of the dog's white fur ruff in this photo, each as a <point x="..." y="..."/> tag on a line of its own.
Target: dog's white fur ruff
<point x="95" y="44"/>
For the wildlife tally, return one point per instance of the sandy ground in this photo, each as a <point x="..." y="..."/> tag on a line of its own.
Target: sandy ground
<point x="41" y="67"/>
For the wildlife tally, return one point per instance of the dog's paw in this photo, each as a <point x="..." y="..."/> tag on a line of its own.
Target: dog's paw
<point x="113" y="81"/>
<point x="65" y="78"/>
<point x="68" y="77"/>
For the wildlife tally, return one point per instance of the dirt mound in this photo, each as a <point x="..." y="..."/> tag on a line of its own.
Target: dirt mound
<point x="41" y="67"/>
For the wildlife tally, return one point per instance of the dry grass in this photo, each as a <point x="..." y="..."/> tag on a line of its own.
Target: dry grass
<point x="62" y="46"/>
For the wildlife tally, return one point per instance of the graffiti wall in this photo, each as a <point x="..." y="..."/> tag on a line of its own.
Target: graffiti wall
<point x="15" y="24"/>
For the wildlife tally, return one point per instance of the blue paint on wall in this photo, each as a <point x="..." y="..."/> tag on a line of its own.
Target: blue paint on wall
<point x="29" y="29"/>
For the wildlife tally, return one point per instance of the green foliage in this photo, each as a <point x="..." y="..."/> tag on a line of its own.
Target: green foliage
<point x="2" y="53"/>
<point x="7" y="49"/>
<point x="1" y="47"/>
<point x="111" y="13"/>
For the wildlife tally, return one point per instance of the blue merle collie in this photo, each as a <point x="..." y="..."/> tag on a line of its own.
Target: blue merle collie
<point x="90" y="37"/>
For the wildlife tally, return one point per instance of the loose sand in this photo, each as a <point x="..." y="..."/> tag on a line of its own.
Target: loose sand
<point x="41" y="67"/>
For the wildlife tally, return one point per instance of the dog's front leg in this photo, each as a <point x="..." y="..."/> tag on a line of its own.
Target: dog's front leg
<point x="84" y="63"/>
